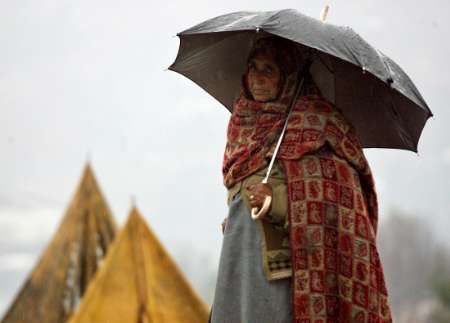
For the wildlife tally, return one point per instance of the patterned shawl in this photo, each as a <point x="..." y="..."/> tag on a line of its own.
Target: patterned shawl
<point x="336" y="272"/>
<point x="254" y="129"/>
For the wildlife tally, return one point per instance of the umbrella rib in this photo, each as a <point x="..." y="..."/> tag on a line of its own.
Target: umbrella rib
<point x="390" y="79"/>
<point x="404" y="134"/>
<point x="317" y="53"/>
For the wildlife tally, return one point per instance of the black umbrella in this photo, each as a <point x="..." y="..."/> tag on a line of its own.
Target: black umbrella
<point x="373" y="92"/>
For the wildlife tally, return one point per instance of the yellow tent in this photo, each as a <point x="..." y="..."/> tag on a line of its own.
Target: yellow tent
<point x="64" y="270"/>
<point x="139" y="283"/>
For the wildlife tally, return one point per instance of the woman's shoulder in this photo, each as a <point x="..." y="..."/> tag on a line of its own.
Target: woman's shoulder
<point x="314" y="102"/>
<point x="317" y="113"/>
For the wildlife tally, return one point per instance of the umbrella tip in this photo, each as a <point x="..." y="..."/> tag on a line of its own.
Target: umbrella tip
<point x="324" y="13"/>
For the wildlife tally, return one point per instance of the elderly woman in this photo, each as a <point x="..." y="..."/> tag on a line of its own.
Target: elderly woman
<point x="312" y="258"/>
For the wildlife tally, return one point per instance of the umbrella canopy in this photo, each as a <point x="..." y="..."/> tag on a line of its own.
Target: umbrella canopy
<point x="373" y="92"/>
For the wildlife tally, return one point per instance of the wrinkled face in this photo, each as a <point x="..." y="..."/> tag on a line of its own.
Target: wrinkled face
<point x="263" y="78"/>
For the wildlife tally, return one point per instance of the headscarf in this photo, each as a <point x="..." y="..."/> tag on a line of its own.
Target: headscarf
<point x="285" y="54"/>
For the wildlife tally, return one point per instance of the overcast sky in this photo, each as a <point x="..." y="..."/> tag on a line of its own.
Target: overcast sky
<point x="87" y="80"/>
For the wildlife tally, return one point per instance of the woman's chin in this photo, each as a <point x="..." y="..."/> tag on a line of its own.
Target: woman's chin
<point x="261" y="97"/>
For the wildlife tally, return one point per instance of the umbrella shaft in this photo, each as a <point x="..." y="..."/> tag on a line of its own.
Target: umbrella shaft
<point x="280" y="139"/>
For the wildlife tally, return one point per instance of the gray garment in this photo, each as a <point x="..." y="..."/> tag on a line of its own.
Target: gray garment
<point x="243" y="294"/>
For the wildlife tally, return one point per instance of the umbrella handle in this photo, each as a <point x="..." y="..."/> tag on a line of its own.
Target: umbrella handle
<point x="256" y="214"/>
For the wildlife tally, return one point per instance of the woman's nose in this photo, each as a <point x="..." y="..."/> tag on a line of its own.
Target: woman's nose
<point x="259" y="78"/>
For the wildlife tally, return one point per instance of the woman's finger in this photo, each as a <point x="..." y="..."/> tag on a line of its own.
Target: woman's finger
<point x="257" y="202"/>
<point x="255" y="197"/>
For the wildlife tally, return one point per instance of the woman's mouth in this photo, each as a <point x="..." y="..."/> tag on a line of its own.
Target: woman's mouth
<point x="260" y="91"/>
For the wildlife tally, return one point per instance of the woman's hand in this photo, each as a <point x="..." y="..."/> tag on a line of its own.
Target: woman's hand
<point x="257" y="194"/>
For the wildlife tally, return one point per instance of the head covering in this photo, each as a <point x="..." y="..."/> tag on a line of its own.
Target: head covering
<point x="285" y="54"/>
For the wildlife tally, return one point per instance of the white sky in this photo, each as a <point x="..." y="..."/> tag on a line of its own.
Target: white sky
<point x="88" y="78"/>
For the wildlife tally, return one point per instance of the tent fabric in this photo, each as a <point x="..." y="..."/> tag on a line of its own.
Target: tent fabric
<point x="60" y="278"/>
<point x="139" y="282"/>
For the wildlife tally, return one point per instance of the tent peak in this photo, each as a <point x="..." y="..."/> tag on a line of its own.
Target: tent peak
<point x="88" y="171"/>
<point x="88" y="181"/>
<point x="134" y="216"/>
<point x="133" y="202"/>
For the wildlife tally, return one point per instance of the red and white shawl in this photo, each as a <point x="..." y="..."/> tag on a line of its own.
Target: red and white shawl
<point x="333" y="215"/>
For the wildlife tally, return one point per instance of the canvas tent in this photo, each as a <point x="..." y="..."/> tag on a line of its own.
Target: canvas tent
<point x="139" y="283"/>
<point x="53" y="289"/>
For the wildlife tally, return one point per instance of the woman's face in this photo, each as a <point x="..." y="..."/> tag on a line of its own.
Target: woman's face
<point x="263" y="78"/>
